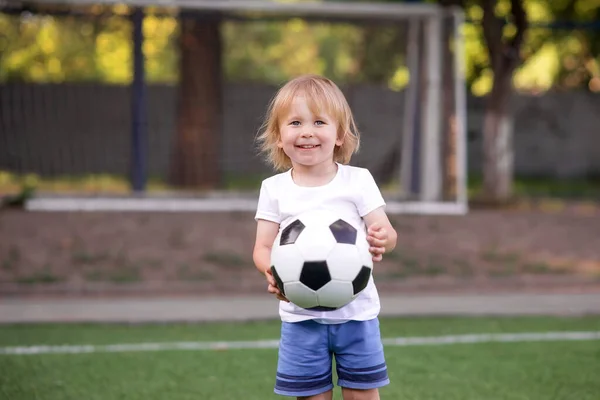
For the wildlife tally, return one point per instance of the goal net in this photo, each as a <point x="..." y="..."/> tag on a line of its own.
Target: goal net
<point x="154" y="105"/>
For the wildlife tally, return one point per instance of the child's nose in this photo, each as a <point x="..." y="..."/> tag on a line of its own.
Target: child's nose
<point x="307" y="134"/>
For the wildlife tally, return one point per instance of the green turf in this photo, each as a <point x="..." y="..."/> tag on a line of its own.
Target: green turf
<point x="544" y="370"/>
<point x="31" y="334"/>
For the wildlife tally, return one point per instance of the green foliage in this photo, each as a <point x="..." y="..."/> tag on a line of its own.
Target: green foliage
<point x="43" y="48"/>
<point x="560" y="57"/>
<point x="275" y="51"/>
<point x="21" y="190"/>
<point x="50" y="49"/>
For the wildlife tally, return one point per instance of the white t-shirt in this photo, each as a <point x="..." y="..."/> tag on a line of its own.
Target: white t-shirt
<point x="352" y="194"/>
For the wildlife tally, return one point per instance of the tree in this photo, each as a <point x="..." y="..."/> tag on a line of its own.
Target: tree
<point x="450" y="126"/>
<point x="504" y="57"/>
<point x="196" y="150"/>
<point x="578" y="49"/>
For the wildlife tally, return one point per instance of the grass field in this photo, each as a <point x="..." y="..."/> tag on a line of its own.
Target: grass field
<point x="555" y="369"/>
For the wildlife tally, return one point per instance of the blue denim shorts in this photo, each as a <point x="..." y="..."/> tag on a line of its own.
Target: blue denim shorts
<point x="307" y="348"/>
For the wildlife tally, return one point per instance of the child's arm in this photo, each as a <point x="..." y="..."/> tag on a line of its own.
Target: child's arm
<point x="380" y="234"/>
<point x="266" y="231"/>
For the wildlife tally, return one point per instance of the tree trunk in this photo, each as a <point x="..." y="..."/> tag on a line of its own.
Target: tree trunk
<point x="504" y="55"/>
<point x="450" y="127"/>
<point x="195" y="156"/>
<point x="449" y="132"/>
<point x="498" y="153"/>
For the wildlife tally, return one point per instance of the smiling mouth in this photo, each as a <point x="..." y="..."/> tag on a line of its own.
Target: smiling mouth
<point x="308" y="147"/>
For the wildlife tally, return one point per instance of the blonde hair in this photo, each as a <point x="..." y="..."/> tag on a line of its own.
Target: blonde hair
<point x="322" y="95"/>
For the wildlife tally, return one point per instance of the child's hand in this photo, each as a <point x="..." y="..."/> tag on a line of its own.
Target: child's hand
<point x="272" y="288"/>
<point x="378" y="239"/>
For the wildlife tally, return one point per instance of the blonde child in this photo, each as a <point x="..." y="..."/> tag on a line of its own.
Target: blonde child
<point x="309" y="136"/>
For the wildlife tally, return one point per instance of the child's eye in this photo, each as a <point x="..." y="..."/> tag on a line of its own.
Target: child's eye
<point x="319" y="123"/>
<point x="295" y="123"/>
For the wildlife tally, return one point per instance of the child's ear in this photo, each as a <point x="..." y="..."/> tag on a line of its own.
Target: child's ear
<point x="340" y="139"/>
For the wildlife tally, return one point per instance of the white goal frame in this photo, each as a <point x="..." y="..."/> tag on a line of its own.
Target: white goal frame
<point x="428" y="200"/>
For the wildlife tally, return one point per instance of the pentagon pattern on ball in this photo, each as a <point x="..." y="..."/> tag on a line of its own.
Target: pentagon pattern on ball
<point x="288" y="262"/>
<point x="335" y="294"/>
<point x="303" y="296"/>
<point x="361" y="280"/>
<point x="315" y="242"/>
<point x="291" y="233"/>
<point x="321" y="262"/>
<point x="315" y="274"/>
<point x="343" y="232"/>
<point x="344" y="262"/>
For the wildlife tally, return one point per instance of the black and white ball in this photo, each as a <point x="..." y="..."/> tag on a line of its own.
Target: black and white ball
<point x="320" y="261"/>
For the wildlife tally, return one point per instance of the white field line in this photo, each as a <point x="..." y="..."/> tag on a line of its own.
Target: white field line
<point x="272" y="344"/>
<point x="212" y="205"/>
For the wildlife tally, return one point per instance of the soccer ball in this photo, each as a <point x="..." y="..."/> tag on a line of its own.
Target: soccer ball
<point x="320" y="261"/>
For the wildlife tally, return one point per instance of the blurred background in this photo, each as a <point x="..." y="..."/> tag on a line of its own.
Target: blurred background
<point x="71" y="82"/>
<point x="482" y="110"/>
<point x="128" y="169"/>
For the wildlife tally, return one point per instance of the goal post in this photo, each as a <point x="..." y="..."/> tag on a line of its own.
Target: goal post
<point x="431" y="135"/>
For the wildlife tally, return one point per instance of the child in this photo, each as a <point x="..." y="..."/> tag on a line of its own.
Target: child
<point x="310" y="134"/>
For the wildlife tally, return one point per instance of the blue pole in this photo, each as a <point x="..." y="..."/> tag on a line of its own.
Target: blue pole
<point x="415" y="167"/>
<point x="138" y="107"/>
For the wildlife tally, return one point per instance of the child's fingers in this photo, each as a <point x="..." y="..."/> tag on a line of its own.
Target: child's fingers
<point x="375" y="227"/>
<point x="377" y="253"/>
<point x="270" y="279"/>
<point x="273" y="289"/>
<point x="377" y="250"/>
<point x="277" y="293"/>
<point x="377" y="242"/>
<point x="379" y="235"/>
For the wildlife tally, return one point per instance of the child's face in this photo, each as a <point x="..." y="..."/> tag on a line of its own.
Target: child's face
<point x="307" y="139"/>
